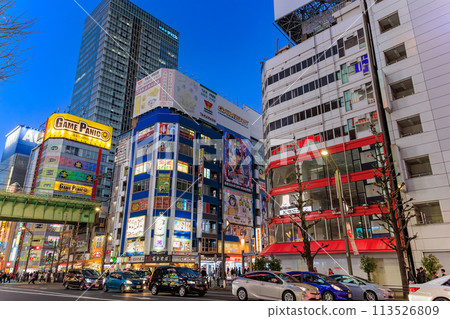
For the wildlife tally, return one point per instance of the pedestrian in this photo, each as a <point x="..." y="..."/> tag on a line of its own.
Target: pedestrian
<point x="32" y="279"/>
<point x="421" y="276"/>
<point x="9" y="278"/>
<point x="315" y="269"/>
<point x="435" y="275"/>
<point x="239" y="271"/>
<point x="204" y="274"/>
<point x="330" y="272"/>
<point x="410" y="274"/>
<point x="443" y="272"/>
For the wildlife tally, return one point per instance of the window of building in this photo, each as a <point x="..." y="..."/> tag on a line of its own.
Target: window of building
<point x="141" y="185"/>
<point x="402" y="88"/>
<point x="184" y="167"/>
<point x="72" y="150"/>
<point x="209" y="191"/>
<point x="389" y="22"/>
<point x="184" y="186"/>
<point x="410" y="126"/>
<point x="344" y="75"/>
<point x="350" y="42"/>
<point x="185" y="150"/>
<point x="428" y="213"/>
<point x="419" y="166"/>
<point x="142" y="168"/>
<point x="395" y="54"/>
<point x="187" y="133"/>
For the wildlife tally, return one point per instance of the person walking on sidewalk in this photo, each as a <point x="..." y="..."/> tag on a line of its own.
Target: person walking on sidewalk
<point x="33" y="279"/>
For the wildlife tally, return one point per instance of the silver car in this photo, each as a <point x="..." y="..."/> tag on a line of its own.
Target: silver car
<point x="362" y="289"/>
<point x="272" y="285"/>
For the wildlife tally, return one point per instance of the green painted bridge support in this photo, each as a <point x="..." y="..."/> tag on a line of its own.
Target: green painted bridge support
<point x="41" y="209"/>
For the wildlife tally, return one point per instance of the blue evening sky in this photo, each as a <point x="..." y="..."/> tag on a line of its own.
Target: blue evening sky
<point x="221" y="42"/>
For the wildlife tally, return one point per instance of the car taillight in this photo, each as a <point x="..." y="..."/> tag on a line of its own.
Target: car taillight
<point x="413" y="289"/>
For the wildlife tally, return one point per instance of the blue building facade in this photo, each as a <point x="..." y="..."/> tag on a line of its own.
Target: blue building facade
<point x="186" y="176"/>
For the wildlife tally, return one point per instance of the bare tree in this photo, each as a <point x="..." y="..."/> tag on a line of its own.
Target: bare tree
<point x="13" y="31"/>
<point x="307" y="252"/>
<point x="393" y="211"/>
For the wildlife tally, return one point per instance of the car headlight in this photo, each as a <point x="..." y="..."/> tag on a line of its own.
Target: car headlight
<point x="336" y="287"/>
<point x="191" y="282"/>
<point x="128" y="282"/>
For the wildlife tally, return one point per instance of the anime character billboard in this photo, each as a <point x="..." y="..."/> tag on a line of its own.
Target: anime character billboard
<point x="238" y="163"/>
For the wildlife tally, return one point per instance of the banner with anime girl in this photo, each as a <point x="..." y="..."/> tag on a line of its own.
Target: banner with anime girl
<point x="237" y="163"/>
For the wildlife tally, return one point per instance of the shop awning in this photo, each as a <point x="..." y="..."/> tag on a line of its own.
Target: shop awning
<point x="371" y="245"/>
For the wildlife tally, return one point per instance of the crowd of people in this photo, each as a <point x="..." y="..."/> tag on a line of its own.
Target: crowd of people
<point x="32" y="277"/>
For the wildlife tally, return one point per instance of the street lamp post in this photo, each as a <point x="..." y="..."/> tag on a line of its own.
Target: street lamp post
<point x="338" y="181"/>
<point x="243" y="251"/>
<point x="29" y="247"/>
<point x="105" y="241"/>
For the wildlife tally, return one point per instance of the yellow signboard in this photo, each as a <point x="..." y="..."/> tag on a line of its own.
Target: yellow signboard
<point x="77" y="129"/>
<point x="73" y="188"/>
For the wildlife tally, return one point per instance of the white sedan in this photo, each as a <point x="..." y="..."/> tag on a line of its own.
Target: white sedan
<point x="272" y="285"/>
<point x="434" y="290"/>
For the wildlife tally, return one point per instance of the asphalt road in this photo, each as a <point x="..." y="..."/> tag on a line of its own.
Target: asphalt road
<point x="56" y="292"/>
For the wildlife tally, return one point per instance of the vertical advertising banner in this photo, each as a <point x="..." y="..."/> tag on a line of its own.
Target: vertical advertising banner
<point x="159" y="238"/>
<point x="207" y="106"/>
<point x="238" y="207"/>
<point x="237" y="163"/>
<point x="201" y="161"/>
<point x="258" y="240"/>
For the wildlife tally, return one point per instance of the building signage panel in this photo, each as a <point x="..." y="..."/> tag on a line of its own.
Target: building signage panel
<point x="155" y="90"/>
<point x="158" y="258"/>
<point x="139" y="205"/>
<point x="71" y="162"/>
<point x="200" y="193"/>
<point x="20" y="140"/>
<point x="73" y="188"/>
<point x="136" y="227"/>
<point x="77" y="129"/>
<point x="238" y="207"/>
<point x="238" y="163"/>
<point x="159" y="238"/>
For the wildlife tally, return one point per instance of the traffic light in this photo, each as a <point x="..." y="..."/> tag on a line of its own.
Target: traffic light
<point x="37" y="247"/>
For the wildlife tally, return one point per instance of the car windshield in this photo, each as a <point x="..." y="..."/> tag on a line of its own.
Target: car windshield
<point x="187" y="272"/>
<point x="91" y="273"/>
<point x="142" y="273"/>
<point x="363" y="279"/>
<point x="286" y="277"/>
<point x="327" y="279"/>
<point x="130" y="275"/>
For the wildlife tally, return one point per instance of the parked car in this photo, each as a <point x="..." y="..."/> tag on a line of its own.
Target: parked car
<point x="435" y="290"/>
<point x="83" y="279"/>
<point x="272" y="285"/>
<point x="124" y="281"/>
<point x="329" y="288"/>
<point x="179" y="280"/>
<point x="363" y="289"/>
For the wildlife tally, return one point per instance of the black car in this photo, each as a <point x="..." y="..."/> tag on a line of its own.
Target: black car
<point x="83" y="279"/>
<point x="179" y="280"/>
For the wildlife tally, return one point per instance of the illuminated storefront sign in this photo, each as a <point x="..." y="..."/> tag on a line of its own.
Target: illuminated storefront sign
<point x="163" y="183"/>
<point x="184" y="204"/>
<point x="138" y="205"/>
<point x="159" y="238"/>
<point x="136" y="227"/>
<point x="182" y="224"/>
<point x="233" y="116"/>
<point x="164" y="164"/>
<point x="77" y="129"/>
<point x="73" y="188"/>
